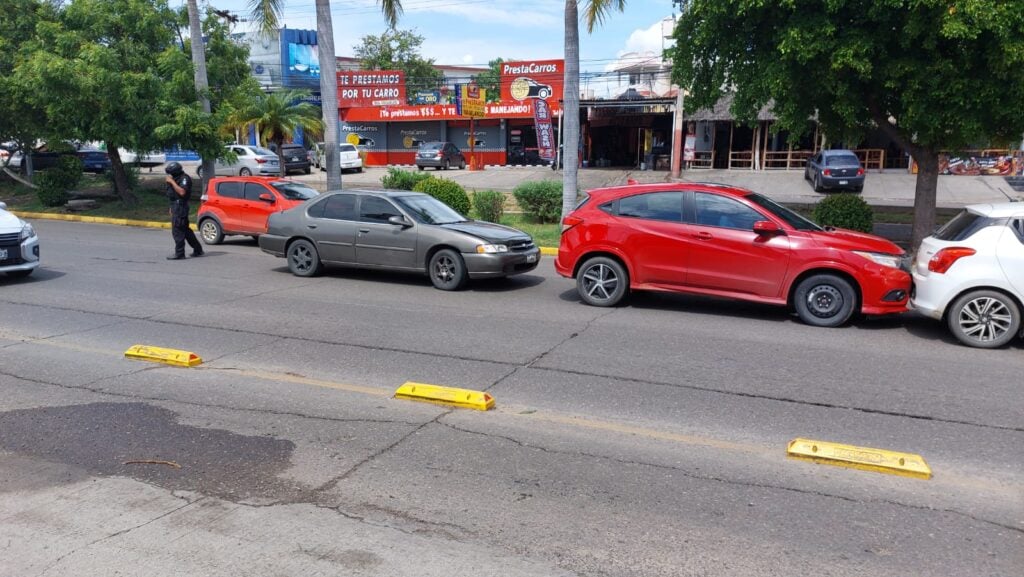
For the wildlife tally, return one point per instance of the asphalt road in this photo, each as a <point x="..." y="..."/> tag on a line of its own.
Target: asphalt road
<point x="644" y="440"/>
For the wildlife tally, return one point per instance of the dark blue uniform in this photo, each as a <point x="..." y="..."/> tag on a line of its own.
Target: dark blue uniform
<point x="180" y="229"/>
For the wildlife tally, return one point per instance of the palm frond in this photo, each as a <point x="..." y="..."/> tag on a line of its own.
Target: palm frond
<point x="595" y="11"/>
<point x="267" y="15"/>
<point x="392" y="9"/>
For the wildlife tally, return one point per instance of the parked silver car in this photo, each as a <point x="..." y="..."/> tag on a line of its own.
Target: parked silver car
<point x="19" y="245"/>
<point x="251" y="160"/>
<point x="347" y="153"/>
<point x="396" y="230"/>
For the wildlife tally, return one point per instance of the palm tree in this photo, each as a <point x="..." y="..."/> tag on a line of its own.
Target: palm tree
<point x="199" y="71"/>
<point x="267" y="15"/>
<point x="594" y="12"/>
<point x="278" y="116"/>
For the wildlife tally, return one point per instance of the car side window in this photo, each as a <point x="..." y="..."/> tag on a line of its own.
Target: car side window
<point x="316" y="209"/>
<point x="240" y="151"/>
<point x="374" y="209"/>
<point x="230" y="189"/>
<point x="1018" y="228"/>
<point x="253" y="191"/>
<point x="666" y="206"/>
<point x="720" y="211"/>
<point x="340" y="207"/>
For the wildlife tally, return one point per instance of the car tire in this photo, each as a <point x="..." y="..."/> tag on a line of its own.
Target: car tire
<point x="999" y="321"/>
<point x="244" y="172"/>
<point x="447" y="164"/>
<point x="308" y="170"/>
<point x="825" y="300"/>
<point x="303" y="259"/>
<point x="199" y="172"/>
<point x="602" y="282"/>
<point x="20" y="273"/>
<point x="448" y="270"/>
<point x="419" y="167"/>
<point x="858" y="189"/>
<point x="817" y="184"/>
<point x="807" y="175"/>
<point x="210" y="231"/>
<point x="462" y="164"/>
<point x="359" y="170"/>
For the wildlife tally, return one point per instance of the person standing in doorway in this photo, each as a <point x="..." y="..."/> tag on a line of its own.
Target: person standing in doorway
<point x="179" y="191"/>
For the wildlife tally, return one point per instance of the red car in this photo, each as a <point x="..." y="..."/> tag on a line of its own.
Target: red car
<point x="242" y="205"/>
<point x="726" y="242"/>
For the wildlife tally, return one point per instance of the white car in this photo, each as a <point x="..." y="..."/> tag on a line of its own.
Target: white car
<point x="19" y="245"/>
<point x="251" y="160"/>
<point x="347" y="153"/>
<point x="144" y="159"/>
<point x="970" y="274"/>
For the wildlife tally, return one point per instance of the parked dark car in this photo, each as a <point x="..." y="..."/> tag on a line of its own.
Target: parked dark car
<point x="396" y="230"/>
<point x="835" y="169"/>
<point x="439" y="155"/>
<point x="295" y="158"/>
<point x="96" y="161"/>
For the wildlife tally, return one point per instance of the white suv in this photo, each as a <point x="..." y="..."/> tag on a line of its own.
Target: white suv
<point x="970" y="273"/>
<point x="19" y="245"/>
<point x="347" y="153"/>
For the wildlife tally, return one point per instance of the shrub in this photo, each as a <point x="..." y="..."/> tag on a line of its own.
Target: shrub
<point x="541" y="200"/>
<point x="399" y="179"/>
<point x="447" y="191"/>
<point x="54" y="183"/>
<point x="489" y="205"/>
<point x="131" y="172"/>
<point x="845" y="211"/>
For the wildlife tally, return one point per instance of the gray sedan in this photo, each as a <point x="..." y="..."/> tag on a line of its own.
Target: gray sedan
<point x="396" y="230"/>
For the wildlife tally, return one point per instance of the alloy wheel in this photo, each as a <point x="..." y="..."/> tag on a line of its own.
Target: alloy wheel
<point x="985" y="319"/>
<point x="600" y="282"/>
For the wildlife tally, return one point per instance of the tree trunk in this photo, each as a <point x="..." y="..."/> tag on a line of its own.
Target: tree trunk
<point x="571" y="107"/>
<point x="121" y="186"/>
<point x="328" y="92"/>
<point x="925" y="195"/>
<point x="202" y="83"/>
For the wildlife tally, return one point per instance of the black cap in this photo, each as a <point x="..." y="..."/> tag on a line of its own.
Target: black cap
<point x="173" y="168"/>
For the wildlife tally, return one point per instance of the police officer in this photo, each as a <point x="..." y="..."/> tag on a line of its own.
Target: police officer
<point x="179" y="191"/>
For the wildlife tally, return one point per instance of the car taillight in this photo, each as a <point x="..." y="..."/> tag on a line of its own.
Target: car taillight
<point x="261" y="160"/>
<point x="570" y="221"/>
<point x="440" y="154"/>
<point x="827" y="172"/>
<point x="945" y="258"/>
<point x="860" y="172"/>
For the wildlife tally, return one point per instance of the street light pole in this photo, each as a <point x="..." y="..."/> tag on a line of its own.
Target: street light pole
<point x="677" y="134"/>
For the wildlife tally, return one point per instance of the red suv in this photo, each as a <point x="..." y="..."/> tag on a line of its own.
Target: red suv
<point x="242" y="205"/>
<point x="726" y="242"/>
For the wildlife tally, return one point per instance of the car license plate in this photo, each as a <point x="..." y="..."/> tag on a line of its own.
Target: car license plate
<point x="295" y="159"/>
<point x="3" y="254"/>
<point x="844" y="182"/>
<point x="531" y="258"/>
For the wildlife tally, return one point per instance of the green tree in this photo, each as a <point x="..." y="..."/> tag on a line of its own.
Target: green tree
<point x="491" y="80"/>
<point x="95" y="72"/>
<point x="277" y="116"/>
<point x="932" y="75"/>
<point x="400" y="50"/>
<point x="267" y="14"/>
<point x="594" y="12"/>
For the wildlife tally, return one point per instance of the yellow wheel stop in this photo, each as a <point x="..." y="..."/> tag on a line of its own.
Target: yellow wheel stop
<point x="450" y="396"/>
<point x="865" y="458"/>
<point x="162" y="355"/>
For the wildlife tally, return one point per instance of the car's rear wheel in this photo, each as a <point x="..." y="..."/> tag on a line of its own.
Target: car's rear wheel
<point x="985" y="319"/>
<point x="307" y="170"/>
<point x="858" y="189"/>
<point x="20" y="273"/>
<point x="244" y="172"/>
<point x="448" y="270"/>
<point x="303" y="259"/>
<point x="462" y="164"/>
<point x="602" y="282"/>
<point x="210" y="231"/>
<point x="420" y="166"/>
<point x="817" y="184"/>
<point x="825" y="300"/>
<point x="447" y="164"/>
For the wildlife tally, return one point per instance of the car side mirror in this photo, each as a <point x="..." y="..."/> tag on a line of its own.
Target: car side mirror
<point x="267" y="197"/>
<point x="767" y="227"/>
<point x="400" y="221"/>
<point x="3" y="205"/>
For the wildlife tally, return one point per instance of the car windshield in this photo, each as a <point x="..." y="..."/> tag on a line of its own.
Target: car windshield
<point x="346" y="148"/>
<point x="295" y="191"/>
<point x="432" y="146"/>
<point x="842" y="160"/>
<point x="429" y="210"/>
<point x="962" y="227"/>
<point x="262" y="151"/>
<point x="793" y="219"/>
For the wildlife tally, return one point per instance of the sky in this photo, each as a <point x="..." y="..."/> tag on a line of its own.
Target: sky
<point x="472" y="32"/>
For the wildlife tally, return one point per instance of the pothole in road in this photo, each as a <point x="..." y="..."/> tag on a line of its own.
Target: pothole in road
<point x="103" y="439"/>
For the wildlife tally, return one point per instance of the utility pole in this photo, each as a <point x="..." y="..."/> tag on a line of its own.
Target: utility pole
<point x="677" y="117"/>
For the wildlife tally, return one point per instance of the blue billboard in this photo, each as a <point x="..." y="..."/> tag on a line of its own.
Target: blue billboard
<point x="300" y="60"/>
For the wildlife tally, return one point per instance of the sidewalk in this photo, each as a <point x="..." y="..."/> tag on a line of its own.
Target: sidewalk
<point x="890" y="188"/>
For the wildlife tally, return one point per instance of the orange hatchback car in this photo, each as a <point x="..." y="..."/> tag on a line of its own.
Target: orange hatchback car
<point x="242" y="205"/>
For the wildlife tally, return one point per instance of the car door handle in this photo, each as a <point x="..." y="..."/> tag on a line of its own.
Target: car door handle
<point x="364" y="230"/>
<point x="703" y="236"/>
<point x="310" y="226"/>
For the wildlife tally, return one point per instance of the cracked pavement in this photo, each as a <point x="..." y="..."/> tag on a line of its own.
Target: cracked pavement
<point x="643" y="440"/>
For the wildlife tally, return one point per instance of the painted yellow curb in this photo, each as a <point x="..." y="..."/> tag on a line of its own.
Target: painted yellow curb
<point x="95" y="219"/>
<point x="162" y="355"/>
<point x="549" y="251"/>
<point x="450" y="396"/>
<point x="865" y="458"/>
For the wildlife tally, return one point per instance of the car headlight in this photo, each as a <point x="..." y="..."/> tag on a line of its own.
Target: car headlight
<point x="491" y="248"/>
<point x="27" y="232"/>
<point x="890" y="260"/>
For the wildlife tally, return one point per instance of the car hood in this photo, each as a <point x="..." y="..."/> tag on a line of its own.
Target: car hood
<point x="487" y="230"/>
<point x="9" y="223"/>
<point x="842" y="238"/>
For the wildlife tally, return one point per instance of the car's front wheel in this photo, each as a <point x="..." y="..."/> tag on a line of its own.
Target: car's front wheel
<point x="210" y="231"/>
<point x="244" y="172"/>
<point x="985" y="319"/>
<point x="303" y="259"/>
<point x="448" y="270"/>
<point x="602" y="282"/>
<point x="825" y="300"/>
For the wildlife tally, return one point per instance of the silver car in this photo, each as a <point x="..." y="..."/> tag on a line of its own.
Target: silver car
<point x="250" y="160"/>
<point x="396" y="230"/>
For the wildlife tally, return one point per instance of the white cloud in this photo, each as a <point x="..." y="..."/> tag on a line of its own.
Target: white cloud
<point x="650" y="39"/>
